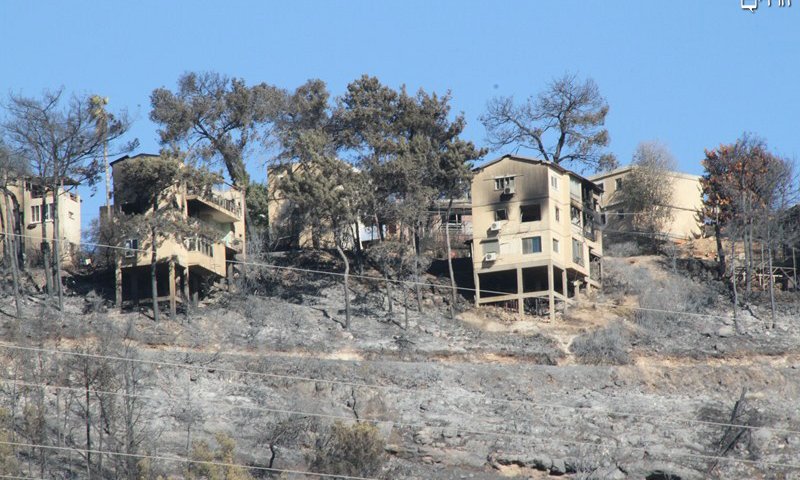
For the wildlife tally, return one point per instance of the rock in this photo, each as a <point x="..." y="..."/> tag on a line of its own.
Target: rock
<point x="558" y="467"/>
<point x="610" y="473"/>
<point x="726" y="331"/>
<point x="423" y="437"/>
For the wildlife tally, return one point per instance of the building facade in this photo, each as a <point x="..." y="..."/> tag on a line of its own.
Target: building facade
<point x="686" y="202"/>
<point x="535" y="234"/>
<point x="32" y="215"/>
<point x="183" y="265"/>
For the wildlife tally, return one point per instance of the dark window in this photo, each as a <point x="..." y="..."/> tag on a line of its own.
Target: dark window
<point x="618" y="183"/>
<point x="530" y="213"/>
<point x="501" y="214"/>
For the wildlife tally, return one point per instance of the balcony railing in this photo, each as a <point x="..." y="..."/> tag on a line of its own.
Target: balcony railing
<point x="200" y="244"/>
<point x="225" y="203"/>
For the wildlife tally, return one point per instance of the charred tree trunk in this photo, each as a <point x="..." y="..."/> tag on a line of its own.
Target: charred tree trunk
<point x="450" y="260"/>
<point x="720" y="250"/>
<point x="9" y="244"/>
<point x="153" y="279"/>
<point x="45" y="246"/>
<point x="389" y="293"/>
<point x="346" y="284"/>
<point x="735" y="291"/>
<point x="417" y="290"/>
<point x="771" y="279"/>
<point x="57" y="248"/>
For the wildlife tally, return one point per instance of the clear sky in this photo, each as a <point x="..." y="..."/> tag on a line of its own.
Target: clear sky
<point x="692" y="74"/>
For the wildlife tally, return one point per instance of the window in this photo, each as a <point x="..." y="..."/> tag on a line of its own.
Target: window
<point x="602" y="185"/>
<point x="555" y="245"/>
<point x="530" y="213"/>
<point x="531" y="245"/>
<point x="131" y="245"/>
<point x="558" y="214"/>
<point x="48" y="212"/>
<point x="503" y="182"/>
<point x="575" y="188"/>
<point x="71" y="215"/>
<point x="500" y="215"/>
<point x="620" y="214"/>
<point x="492" y="246"/>
<point x="36" y="213"/>
<point x="554" y="183"/>
<point x="575" y="216"/>
<point x="618" y="183"/>
<point x="577" y="251"/>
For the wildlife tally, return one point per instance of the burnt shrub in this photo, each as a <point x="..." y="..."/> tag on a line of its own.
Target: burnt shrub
<point x="350" y="450"/>
<point x="603" y="346"/>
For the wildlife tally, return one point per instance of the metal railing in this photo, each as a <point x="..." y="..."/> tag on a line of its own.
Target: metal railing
<point x="215" y="198"/>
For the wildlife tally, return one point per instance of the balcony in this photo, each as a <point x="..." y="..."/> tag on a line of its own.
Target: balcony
<point x="200" y="244"/>
<point x="223" y="209"/>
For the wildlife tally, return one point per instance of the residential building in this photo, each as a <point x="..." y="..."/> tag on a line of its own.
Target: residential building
<point x="686" y="202"/>
<point x="288" y="229"/>
<point x="535" y="234"/>
<point x="33" y="215"/>
<point x="458" y="224"/>
<point x="187" y="264"/>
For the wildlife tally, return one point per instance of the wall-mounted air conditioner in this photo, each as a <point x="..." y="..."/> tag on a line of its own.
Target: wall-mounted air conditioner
<point x="490" y="257"/>
<point x="508" y="191"/>
<point x="495" y="226"/>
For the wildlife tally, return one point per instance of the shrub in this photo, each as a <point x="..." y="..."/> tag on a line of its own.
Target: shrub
<point x="215" y="465"/>
<point x="604" y="346"/>
<point x="351" y="450"/>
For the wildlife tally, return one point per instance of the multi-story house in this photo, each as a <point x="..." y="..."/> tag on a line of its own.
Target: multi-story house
<point x="183" y="264"/>
<point x="535" y="234"/>
<point x="289" y="230"/>
<point x="686" y="202"/>
<point x="33" y="214"/>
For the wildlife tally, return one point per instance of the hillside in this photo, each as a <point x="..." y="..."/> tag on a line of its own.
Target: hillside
<point x="616" y="387"/>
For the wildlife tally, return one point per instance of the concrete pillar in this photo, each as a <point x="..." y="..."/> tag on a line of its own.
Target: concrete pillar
<point x="550" y="290"/>
<point x="520" y="291"/>
<point x="172" y="293"/>
<point x="186" y="297"/>
<point x="477" y="279"/>
<point x="564" y="288"/>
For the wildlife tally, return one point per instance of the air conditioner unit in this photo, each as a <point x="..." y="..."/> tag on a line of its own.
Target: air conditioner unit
<point x="490" y="257"/>
<point x="495" y="226"/>
<point x="508" y="191"/>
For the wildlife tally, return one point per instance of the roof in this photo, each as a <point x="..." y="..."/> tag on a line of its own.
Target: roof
<point x="129" y="157"/>
<point x="539" y="161"/>
<point x="628" y="168"/>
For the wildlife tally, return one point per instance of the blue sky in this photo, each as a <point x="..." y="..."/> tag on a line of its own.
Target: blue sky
<point x="691" y="74"/>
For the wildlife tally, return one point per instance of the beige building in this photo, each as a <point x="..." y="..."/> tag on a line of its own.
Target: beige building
<point x="33" y="214"/>
<point x="289" y="230"/>
<point x="687" y="200"/>
<point x="182" y="265"/>
<point x="535" y="234"/>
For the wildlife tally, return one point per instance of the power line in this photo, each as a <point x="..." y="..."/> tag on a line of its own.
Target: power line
<point x="645" y="450"/>
<point x="184" y="460"/>
<point x="408" y="282"/>
<point x="378" y="387"/>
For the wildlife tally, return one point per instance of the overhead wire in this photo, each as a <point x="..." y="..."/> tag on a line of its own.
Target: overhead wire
<point x="184" y="460"/>
<point x="409" y="283"/>
<point x="481" y="397"/>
